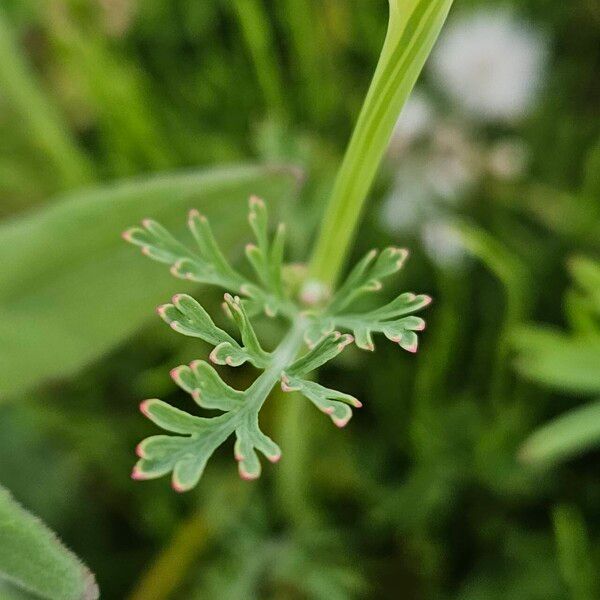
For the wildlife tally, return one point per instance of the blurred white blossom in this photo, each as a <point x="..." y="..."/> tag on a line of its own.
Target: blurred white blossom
<point x="507" y="159"/>
<point x="442" y="243"/>
<point x="416" y="120"/>
<point x="490" y="64"/>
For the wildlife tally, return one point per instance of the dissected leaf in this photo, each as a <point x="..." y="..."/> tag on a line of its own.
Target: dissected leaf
<point x="186" y="455"/>
<point x="367" y="276"/>
<point x="329" y="347"/>
<point x="331" y="402"/>
<point x="34" y="559"/>
<point x="70" y="289"/>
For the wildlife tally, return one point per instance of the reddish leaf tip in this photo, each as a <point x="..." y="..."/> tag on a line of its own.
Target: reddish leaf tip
<point x="136" y="474"/>
<point x="178" y="487"/>
<point x="256" y="201"/>
<point x="245" y="475"/>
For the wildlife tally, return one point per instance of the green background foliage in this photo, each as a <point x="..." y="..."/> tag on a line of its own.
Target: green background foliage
<point x="471" y="472"/>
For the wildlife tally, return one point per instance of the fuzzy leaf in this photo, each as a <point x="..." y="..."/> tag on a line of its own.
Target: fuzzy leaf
<point x="33" y="558"/>
<point x="331" y="402"/>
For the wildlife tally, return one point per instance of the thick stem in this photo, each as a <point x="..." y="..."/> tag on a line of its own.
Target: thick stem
<point x="413" y="28"/>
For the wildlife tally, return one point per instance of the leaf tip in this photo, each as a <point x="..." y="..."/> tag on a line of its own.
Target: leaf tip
<point x="245" y="475"/>
<point x="274" y="458"/>
<point x="127" y="235"/>
<point x="341" y="422"/>
<point x="145" y="408"/>
<point x="178" y="487"/>
<point x="255" y="202"/>
<point x="412" y="348"/>
<point x="137" y="474"/>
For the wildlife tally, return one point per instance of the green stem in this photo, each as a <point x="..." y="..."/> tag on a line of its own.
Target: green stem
<point x="170" y="567"/>
<point x="413" y="28"/>
<point x="258" y="34"/>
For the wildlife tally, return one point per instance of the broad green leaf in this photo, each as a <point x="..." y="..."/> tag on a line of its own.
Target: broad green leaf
<point x="33" y="558"/>
<point x="586" y="274"/>
<point x="558" y="360"/>
<point x="414" y="26"/>
<point x="566" y="436"/>
<point x="70" y="289"/>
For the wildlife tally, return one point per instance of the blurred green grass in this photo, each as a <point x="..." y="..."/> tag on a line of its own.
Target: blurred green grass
<point x="423" y="496"/>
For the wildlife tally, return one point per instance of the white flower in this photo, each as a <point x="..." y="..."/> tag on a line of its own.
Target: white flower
<point x="490" y="64"/>
<point x="410" y="200"/>
<point x="507" y="159"/>
<point x="443" y="244"/>
<point x="415" y="121"/>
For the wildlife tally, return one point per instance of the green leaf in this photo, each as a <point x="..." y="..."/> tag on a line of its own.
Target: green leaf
<point x="331" y="402"/>
<point x="266" y="257"/>
<point x="586" y="274"/>
<point x="390" y="321"/>
<point x="367" y="276"/>
<point x="206" y="387"/>
<point x="251" y="346"/>
<point x="329" y="347"/>
<point x="187" y="455"/>
<point x="566" y="436"/>
<point x="32" y="557"/>
<point x="186" y="316"/>
<point x="558" y="360"/>
<point x="207" y="264"/>
<point x="70" y="290"/>
<point x="575" y="553"/>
